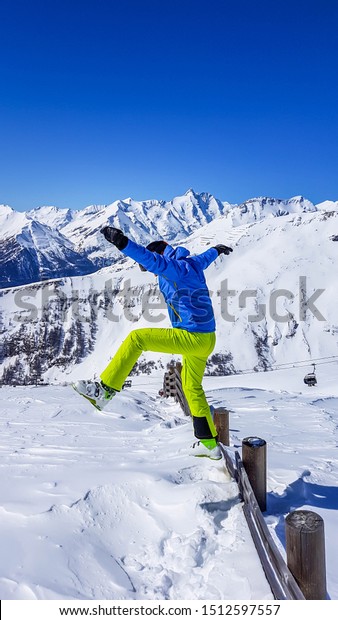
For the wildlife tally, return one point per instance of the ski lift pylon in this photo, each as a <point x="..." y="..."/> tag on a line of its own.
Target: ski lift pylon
<point x="310" y="379"/>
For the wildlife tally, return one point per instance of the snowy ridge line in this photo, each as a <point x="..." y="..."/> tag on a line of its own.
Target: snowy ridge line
<point x="282" y="583"/>
<point x="51" y="242"/>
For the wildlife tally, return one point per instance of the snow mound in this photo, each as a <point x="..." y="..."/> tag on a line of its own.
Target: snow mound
<point x="113" y="506"/>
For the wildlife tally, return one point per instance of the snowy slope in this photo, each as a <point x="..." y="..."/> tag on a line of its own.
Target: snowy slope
<point x="293" y="257"/>
<point x="112" y="506"/>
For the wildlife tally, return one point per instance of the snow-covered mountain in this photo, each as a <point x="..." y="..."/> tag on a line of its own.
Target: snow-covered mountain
<point x="49" y="242"/>
<point x="37" y="252"/>
<point x="257" y="209"/>
<point x="274" y="301"/>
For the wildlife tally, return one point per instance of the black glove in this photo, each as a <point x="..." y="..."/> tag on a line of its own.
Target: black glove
<point x="222" y="249"/>
<point x="115" y="236"/>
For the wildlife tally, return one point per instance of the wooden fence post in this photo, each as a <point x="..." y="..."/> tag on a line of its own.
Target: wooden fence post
<point x="180" y="396"/>
<point x="166" y="385"/>
<point x="305" y="549"/>
<point x="254" y="461"/>
<point x="221" y="421"/>
<point x="168" y="382"/>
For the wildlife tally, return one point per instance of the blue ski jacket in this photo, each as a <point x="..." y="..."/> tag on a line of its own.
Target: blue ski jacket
<point x="182" y="283"/>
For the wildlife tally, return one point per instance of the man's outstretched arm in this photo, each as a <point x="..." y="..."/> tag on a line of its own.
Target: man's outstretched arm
<point x="151" y="261"/>
<point x="206" y="258"/>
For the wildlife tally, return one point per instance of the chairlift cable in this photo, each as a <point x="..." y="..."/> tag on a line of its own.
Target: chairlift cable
<point x="288" y="365"/>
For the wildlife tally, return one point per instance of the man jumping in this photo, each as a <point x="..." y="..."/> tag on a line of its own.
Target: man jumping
<point x="182" y="283"/>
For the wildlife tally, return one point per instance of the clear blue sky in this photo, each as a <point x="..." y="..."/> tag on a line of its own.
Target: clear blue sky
<point x="105" y="99"/>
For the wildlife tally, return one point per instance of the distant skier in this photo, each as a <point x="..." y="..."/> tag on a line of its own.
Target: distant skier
<point x="183" y="285"/>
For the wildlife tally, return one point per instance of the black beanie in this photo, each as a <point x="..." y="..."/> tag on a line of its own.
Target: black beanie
<point x="157" y="246"/>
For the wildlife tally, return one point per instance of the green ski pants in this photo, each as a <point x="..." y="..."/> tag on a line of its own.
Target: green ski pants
<point x="195" y="349"/>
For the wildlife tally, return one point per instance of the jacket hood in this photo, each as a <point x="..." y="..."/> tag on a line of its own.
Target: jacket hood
<point x="176" y="253"/>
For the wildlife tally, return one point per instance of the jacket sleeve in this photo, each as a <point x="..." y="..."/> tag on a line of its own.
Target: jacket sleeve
<point x="205" y="259"/>
<point x="155" y="263"/>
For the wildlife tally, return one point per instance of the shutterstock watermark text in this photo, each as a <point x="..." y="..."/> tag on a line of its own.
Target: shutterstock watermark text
<point x="50" y="301"/>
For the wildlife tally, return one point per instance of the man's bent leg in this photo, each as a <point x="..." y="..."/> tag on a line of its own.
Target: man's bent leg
<point x="192" y="376"/>
<point x="173" y="341"/>
<point x="161" y="340"/>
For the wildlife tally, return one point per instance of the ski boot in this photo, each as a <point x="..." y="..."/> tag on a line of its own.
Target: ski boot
<point x="96" y="392"/>
<point x="208" y="448"/>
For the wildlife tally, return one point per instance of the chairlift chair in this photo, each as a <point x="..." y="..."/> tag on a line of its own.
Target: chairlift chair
<point x="310" y="379"/>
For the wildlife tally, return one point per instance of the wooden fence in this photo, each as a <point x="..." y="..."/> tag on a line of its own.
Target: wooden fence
<point x="282" y="582"/>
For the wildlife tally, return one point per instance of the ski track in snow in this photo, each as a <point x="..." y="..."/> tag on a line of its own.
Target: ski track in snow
<point x="112" y="506"/>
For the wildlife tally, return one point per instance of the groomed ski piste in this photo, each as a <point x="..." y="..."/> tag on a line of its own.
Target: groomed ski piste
<point x="112" y="505"/>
